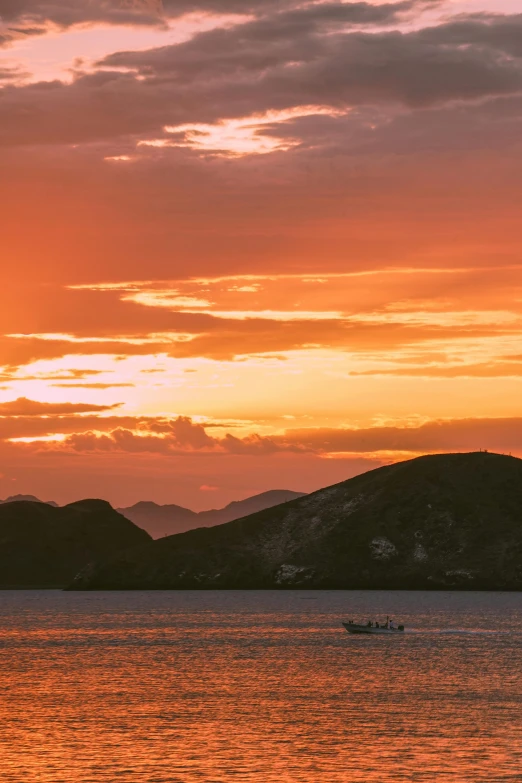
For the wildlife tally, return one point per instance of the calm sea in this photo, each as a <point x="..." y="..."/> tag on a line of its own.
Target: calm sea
<point x="150" y="687"/>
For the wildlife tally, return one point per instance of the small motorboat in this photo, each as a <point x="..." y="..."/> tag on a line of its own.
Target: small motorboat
<point x="369" y="627"/>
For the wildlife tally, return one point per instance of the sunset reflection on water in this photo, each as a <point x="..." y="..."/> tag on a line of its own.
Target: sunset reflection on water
<point x="209" y="686"/>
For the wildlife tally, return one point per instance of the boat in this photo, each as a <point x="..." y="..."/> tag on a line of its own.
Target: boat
<point x="374" y="628"/>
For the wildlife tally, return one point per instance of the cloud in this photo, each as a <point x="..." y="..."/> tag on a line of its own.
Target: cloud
<point x="493" y="369"/>
<point x="41" y="426"/>
<point x="184" y="433"/>
<point x="184" y="436"/>
<point x="495" y="31"/>
<point x="253" y="444"/>
<point x="93" y="385"/>
<point x="23" y="18"/>
<point x="473" y="434"/>
<point x="24" y="407"/>
<point x="123" y="434"/>
<point x="378" y="190"/>
<point x="11" y="73"/>
<point x="180" y="435"/>
<point x="16" y="353"/>
<point x="402" y="322"/>
<point x="33" y="17"/>
<point x="339" y="69"/>
<point x="279" y="62"/>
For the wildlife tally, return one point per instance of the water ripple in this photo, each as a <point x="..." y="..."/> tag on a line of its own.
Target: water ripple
<point x="264" y="686"/>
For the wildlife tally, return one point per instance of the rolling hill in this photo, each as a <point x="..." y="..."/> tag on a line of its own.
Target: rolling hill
<point x="45" y="546"/>
<point x="449" y="521"/>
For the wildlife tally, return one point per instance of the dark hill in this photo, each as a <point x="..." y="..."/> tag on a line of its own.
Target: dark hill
<point x="170" y="519"/>
<point x="451" y="521"/>
<point x="44" y="546"/>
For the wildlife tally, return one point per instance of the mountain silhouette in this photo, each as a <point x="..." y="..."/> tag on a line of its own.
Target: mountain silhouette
<point x="30" y="498"/>
<point x="45" y="546"/>
<point x="170" y="519"/>
<point x="449" y="521"/>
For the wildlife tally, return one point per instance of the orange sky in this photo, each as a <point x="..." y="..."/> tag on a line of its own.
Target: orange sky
<point x="250" y="244"/>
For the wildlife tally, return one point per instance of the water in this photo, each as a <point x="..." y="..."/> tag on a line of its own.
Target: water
<point x="150" y="687"/>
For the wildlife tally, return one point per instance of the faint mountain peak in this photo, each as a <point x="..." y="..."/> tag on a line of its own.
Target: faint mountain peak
<point x="28" y="499"/>
<point x="166" y="520"/>
<point x="271" y="497"/>
<point x="145" y="505"/>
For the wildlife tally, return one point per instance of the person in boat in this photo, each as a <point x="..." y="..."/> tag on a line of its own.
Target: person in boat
<point x="369" y="624"/>
<point x="392" y="626"/>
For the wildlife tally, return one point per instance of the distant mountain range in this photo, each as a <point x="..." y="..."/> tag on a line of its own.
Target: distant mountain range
<point x="450" y="521"/>
<point x="170" y="519"/>
<point x="45" y="546"/>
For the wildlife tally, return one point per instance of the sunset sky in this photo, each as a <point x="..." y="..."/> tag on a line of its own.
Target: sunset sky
<point x="254" y="244"/>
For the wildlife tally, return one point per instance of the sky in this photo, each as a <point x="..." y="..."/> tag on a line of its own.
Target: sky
<point x="255" y="244"/>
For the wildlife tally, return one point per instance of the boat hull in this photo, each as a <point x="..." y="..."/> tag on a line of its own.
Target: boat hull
<point x="354" y="628"/>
